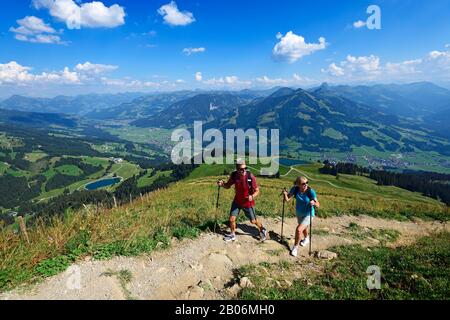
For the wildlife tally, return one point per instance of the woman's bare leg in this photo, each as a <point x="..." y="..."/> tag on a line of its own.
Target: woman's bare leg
<point x="305" y="232"/>
<point x="298" y="232"/>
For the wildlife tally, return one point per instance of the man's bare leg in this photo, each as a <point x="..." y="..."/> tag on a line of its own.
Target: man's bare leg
<point x="232" y="224"/>
<point x="258" y="224"/>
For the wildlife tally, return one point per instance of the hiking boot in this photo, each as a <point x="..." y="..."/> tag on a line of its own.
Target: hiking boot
<point x="229" y="238"/>
<point x="263" y="234"/>
<point x="294" y="251"/>
<point x="304" y="242"/>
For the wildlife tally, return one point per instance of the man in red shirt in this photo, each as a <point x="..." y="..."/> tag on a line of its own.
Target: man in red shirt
<point x="246" y="192"/>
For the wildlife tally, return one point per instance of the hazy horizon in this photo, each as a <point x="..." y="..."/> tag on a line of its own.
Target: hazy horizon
<point x="128" y="46"/>
<point x="200" y="90"/>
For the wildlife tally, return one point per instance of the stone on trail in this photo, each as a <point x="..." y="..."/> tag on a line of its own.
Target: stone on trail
<point x="195" y="293"/>
<point x="206" y="285"/>
<point x="246" y="283"/>
<point x="196" y="267"/>
<point x="288" y="283"/>
<point x="326" y="255"/>
<point x="234" y="290"/>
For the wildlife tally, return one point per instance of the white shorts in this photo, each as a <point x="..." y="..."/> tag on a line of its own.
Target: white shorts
<point x="304" y="220"/>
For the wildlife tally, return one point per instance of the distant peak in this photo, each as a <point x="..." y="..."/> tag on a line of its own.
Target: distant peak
<point x="282" y="91"/>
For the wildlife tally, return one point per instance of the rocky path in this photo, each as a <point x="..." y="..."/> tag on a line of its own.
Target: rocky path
<point x="202" y="268"/>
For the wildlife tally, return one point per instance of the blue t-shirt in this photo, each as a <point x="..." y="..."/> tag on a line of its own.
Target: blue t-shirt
<point x="302" y="202"/>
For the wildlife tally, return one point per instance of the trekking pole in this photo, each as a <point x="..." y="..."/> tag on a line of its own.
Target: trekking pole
<point x="310" y="229"/>
<point x="282" y="215"/>
<point x="218" y="196"/>
<point x="217" y="207"/>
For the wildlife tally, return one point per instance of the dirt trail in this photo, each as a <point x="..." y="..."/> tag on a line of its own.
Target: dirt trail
<point x="201" y="268"/>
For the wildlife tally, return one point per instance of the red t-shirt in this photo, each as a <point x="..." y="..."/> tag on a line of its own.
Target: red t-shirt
<point x="242" y="189"/>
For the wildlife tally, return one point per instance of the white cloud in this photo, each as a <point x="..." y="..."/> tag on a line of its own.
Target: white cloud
<point x="231" y="81"/>
<point x="362" y="64"/>
<point x="403" y="68"/>
<point x="437" y="62"/>
<point x="334" y="70"/>
<point x="69" y="76"/>
<point x="90" y="15"/>
<point x="189" y="51"/>
<point x="297" y="77"/>
<point x="174" y="17"/>
<point x="33" y="29"/>
<point x="435" y="66"/>
<point x="367" y="67"/>
<point x="295" y="80"/>
<point x="359" y="24"/>
<point x="131" y="84"/>
<point x="92" y="68"/>
<point x="292" y="47"/>
<point x="228" y="80"/>
<point x="267" y="80"/>
<point x="13" y="73"/>
<point x="214" y="81"/>
<point x="18" y="79"/>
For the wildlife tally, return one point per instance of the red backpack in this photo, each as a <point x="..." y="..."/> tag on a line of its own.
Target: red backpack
<point x="249" y="176"/>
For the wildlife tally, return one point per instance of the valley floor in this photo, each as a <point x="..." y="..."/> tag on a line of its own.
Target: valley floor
<point x="204" y="268"/>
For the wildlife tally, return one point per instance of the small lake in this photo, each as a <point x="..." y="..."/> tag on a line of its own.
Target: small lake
<point x="101" y="183"/>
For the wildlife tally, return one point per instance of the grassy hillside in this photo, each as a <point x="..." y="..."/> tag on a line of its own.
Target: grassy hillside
<point x="183" y="210"/>
<point x="418" y="271"/>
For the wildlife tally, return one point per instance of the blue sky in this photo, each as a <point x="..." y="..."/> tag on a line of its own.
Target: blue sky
<point x="50" y="47"/>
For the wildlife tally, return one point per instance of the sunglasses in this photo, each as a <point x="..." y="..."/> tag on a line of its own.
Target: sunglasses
<point x="242" y="169"/>
<point x="305" y="184"/>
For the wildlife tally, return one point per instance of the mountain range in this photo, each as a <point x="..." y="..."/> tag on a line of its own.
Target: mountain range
<point x="393" y="118"/>
<point x="410" y="100"/>
<point x="79" y="105"/>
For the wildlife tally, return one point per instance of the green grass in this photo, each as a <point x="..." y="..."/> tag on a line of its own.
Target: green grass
<point x="7" y="141"/>
<point x="124" y="276"/>
<point x="142" y="135"/>
<point x="362" y="185"/>
<point x="69" y="170"/>
<point x="147" y="179"/>
<point x="208" y="171"/>
<point x="419" y="271"/>
<point x="225" y="169"/>
<point x="35" y="156"/>
<point x="125" y="169"/>
<point x="16" y="173"/>
<point x="383" y="235"/>
<point x="333" y="134"/>
<point x="3" y="167"/>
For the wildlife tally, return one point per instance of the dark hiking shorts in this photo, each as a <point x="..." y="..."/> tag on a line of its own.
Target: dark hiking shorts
<point x="249" y="212"/>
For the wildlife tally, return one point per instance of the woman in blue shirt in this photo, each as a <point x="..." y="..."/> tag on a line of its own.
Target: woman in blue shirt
<point x="305" y="201"/>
